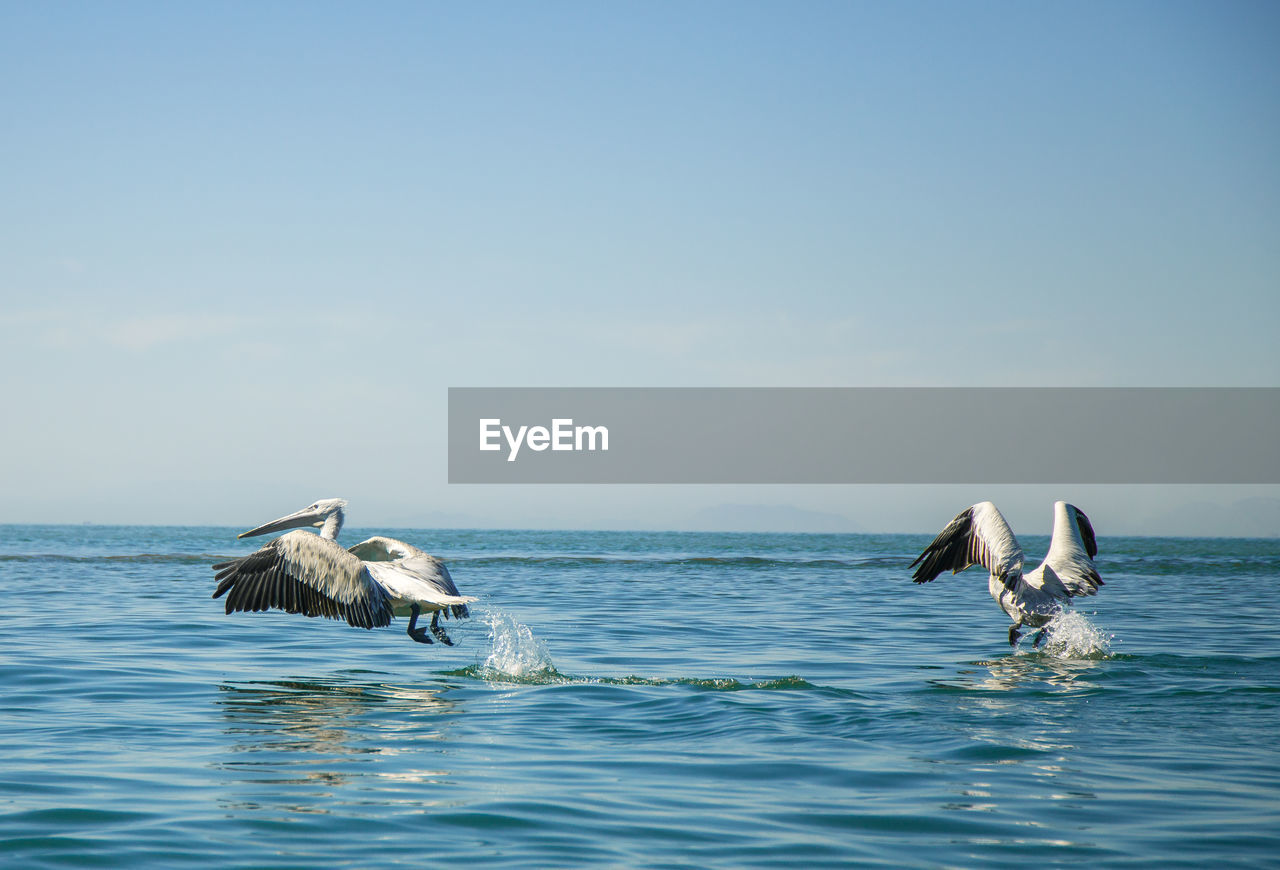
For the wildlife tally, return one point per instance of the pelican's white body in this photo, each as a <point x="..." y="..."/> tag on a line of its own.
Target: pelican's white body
<point x="408" y="575"/>
<point x="1038" y="596"/>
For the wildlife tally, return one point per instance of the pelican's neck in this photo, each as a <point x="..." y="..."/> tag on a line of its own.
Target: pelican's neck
<point x="332" y="525"/>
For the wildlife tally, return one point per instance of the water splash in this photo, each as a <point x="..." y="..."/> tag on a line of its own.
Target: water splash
<point x="514" y="653"/>
<point x="516" y="656"/>
<point x="1070" y="635"/>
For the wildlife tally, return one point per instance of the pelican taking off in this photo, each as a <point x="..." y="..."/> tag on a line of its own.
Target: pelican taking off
<point x="311" y="574"/>
<point x="979" y="535"/>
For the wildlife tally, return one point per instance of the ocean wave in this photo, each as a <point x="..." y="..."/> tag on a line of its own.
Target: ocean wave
<point x="555" y="561"/>
<point x="551" y="676"/>
<point x="135" y="558"/>
<point x="570" y="560"/>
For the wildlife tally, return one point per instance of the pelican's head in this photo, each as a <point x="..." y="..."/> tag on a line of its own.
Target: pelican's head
<point x="314" y="514"/>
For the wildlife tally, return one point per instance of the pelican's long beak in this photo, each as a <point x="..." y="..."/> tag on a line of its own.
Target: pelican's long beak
<point x="297" y="520"/>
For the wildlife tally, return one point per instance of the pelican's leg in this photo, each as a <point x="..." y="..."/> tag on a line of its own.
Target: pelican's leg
<point x="438" y="631"/>
<point x="418" y="634"/>
<point x="1014" y="633"/>
<point x="1039" y="638"/>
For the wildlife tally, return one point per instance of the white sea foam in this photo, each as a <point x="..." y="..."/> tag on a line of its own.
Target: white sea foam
<point x="513" y="650"/>
<point x="1071" y="635"/>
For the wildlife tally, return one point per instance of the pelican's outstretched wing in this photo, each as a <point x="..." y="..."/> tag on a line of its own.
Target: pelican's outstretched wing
<point x="978" y="535"/>
<point x="303" y="573"/>
<point x="1068" y="569"/>
<point x="410" y="574"/>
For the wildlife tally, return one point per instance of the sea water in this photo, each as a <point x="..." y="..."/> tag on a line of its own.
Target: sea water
<point x="638" y="700"/>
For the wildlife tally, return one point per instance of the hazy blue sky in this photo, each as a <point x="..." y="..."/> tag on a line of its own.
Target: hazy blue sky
<point x="247" y="246"/>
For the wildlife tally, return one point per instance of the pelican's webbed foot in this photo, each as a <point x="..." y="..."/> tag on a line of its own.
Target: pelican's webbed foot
<point x="438" y="631"/>
<point x="1014" y="634"/>
<point x="418" y="634"/>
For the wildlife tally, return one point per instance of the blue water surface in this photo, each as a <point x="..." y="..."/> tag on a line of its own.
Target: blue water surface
<point x="638" y="699"/>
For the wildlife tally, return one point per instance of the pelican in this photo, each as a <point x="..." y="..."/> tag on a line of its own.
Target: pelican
<point x="311" y="574"/>
<point x="979" y="535"/>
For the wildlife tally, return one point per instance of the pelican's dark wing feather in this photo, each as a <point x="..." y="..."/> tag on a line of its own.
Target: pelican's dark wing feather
<point x="303" y="573"/>
<point x="1086" y="532"/>
<point x="978" y="535"/>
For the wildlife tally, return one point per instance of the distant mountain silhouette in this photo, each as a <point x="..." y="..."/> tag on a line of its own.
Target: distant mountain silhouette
<point x="1247" y="518"/>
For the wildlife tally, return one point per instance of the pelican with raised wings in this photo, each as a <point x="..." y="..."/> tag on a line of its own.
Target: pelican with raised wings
<point x="979" y="535"/>
<point x="366" y="585"/>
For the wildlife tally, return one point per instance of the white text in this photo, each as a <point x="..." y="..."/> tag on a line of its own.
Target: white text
<point x="562" y="435"/>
